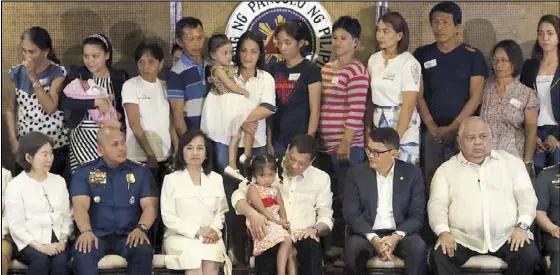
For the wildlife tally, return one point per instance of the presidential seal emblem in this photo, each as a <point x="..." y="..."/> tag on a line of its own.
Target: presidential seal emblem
<point x="265" y="17"/>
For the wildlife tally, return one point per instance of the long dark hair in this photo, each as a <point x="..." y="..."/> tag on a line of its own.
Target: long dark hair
<point x="179" y="162"/>
<point x="249" y="35"/>
<point x="42" y="39"/>
<point x="554" y="20"/>
<point x="102" y="41"/>
<point x="259" y="162"/>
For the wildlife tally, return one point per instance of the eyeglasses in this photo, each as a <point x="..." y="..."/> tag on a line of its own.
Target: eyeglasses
<point x="49" y="205"/>
<point x="376" y="153"/>
<point x="498" y="61"/>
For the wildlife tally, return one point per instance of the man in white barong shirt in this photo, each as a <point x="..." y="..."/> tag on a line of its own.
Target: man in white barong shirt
<point x="482" y="202"/>
<point x="307" y="196"/>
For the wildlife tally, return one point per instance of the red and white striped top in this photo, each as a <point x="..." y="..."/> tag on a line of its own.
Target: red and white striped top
<point x="343" y="104"/>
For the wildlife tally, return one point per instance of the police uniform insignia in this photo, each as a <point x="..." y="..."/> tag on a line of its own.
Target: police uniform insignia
<point x="101" y="177"/>
<point x="131" y="200"/>
<point x="130" y="178"/>
<point x="97" y="178"/>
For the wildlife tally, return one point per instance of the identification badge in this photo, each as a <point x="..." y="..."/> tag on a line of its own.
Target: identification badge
<point x="130" y="178"/>
<point x="294" y="77"/>
<point x="389" y="76"/>
<point x="430" y="64"/>
<point x="131" y="200"/>
<point x="515" y="102"/>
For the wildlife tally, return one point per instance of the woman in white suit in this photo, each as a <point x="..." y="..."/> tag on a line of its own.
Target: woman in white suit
<point x="38" y="209"/>
<point x="193" y="204"/>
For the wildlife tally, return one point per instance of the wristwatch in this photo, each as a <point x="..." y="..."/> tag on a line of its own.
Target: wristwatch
<point x="523" y="226"/>
<point x="142" y="227"/>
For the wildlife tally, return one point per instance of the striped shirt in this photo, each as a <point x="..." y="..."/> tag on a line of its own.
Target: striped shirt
<point x="186" y="82"/>
<point x="343" y="104"/>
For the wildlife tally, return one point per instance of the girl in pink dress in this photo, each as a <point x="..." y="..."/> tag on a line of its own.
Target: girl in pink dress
<point x="267" y="199"/>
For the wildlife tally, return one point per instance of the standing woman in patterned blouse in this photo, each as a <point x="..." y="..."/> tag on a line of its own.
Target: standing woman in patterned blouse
<point x="509" y="107"/>
<point x="395" y="82"/>
<point x="37" y="82"/>
<point x="98" y="58"/>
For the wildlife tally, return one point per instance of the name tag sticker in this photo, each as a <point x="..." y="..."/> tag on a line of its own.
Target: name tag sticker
<point x="430" y="64"/>
<point x="515" y="102"/>
<point x="389" y="76"/>
<point x="293" y="77"/>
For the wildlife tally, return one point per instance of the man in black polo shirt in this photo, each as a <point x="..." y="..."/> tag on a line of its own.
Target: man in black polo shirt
<point x="548" y="213"/>
<point x="453" y="80"/>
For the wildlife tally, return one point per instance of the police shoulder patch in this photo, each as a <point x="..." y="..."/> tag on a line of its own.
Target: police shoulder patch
<point x="88" y="163"/>
<point x="140" y="164"/>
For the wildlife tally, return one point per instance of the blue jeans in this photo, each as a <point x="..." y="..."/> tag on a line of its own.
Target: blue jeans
<point x="280" y="146"/>
<point x="544" y="159"/>
<point x="222" y="155"/>
<point x="338" y="170"/>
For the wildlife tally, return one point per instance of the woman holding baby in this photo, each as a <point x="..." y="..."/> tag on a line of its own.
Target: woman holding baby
<point x="37" y="83"/>
<point x="100" y="102"/>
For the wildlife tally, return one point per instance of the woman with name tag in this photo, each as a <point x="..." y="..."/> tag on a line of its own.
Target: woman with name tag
<point x="38" y="209"/>
<point x="542" y="73"/>
<point x="509" y="107"/>
<point x="298" y="89"/>
<point x="33" y="103"/>
<point x="395" y="82"/>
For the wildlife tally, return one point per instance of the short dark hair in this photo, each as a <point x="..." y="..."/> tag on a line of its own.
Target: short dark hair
<point x="217" y="41"/>
<point x="152" y="49"/>
<point x="514" y="53"/>
<point x="349" y="24"/>
<point x="249" y="35"/>
<point x="259" y="162"/>
<point x="399" y="24"/>
<point x="30" y="144"/>
<point x="186" y="138"/>
<point x="386" y="135"/>
<point x="554" y="20"/>
<point x="450" y="8"/>
<point x="102" y="41"/>
<point x="186" y="22"/>
<point x="305" y="144"/>
<point x="175" y="48"/>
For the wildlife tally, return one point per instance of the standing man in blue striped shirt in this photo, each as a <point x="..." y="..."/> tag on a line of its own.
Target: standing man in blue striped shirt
<point x="186" y="88"/>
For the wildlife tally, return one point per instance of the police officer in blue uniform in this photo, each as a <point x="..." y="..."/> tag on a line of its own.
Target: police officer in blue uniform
<point x="115" y="203"/>
<point x="548" y="213"/>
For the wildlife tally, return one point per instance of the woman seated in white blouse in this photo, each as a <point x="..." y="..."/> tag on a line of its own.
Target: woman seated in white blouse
<point x="38" y="209"/>
<point x="193" y="204"/>
<point x="7" y="243"/>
